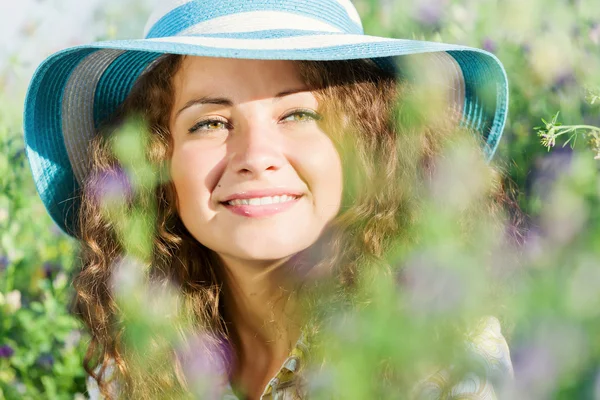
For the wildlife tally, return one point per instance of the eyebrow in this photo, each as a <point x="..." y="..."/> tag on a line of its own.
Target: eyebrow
<point x="223" y="101"/>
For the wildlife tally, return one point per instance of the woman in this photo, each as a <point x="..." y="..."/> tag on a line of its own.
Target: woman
<point x="281" y="172"/>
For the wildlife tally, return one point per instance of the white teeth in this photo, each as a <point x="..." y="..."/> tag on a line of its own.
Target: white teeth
<point x="267" y="200"/>
<point x="258" y="201"/>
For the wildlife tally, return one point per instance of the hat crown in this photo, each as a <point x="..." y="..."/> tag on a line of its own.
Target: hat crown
<point x="218" y="17"/>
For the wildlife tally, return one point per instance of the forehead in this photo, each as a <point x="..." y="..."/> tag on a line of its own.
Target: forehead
<point x="235" y="76"/>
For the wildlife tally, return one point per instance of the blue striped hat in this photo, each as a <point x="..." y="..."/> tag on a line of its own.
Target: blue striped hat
<point x="76" y="88"/>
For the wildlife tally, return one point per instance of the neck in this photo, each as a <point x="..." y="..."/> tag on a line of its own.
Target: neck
<point x="260" y="304"/>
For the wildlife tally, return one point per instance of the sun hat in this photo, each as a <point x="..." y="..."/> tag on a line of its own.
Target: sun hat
<point x="75" y="89"/>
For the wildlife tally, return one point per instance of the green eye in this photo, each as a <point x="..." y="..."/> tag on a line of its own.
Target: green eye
<point x="303" y="116"/>
<point x="209" y="125"/>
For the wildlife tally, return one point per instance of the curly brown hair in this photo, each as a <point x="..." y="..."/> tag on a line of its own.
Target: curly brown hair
<point x="384" y="151"/>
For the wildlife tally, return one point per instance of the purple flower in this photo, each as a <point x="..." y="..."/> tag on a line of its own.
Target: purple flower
<point x="547" y="355"/>
<point x="50" y="269"/>
<point x="4" y="261"/>
<point x="205" y="361"/>
<point x="432" y="287"/>
<point x="489" y="45"/>
<point x="564" y="80"/>
<point x="595" y="33"/>
<point x="45" y="361"/>
<point x="430" y="13"/>
<point x="6" y="351"/>
<point x="547" y="170"/>
<point x="109" y="186"/>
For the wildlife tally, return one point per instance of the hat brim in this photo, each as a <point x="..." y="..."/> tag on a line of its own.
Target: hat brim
<point x="74" y="89"/>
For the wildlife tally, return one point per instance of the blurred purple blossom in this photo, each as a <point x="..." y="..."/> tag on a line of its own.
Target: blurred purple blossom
<point x="547" y="169"/>
<point x="4" y="261"/>
<point x="595" y="33"/>
<point x="109" y="186"/>
<point x="489" y="45"/>
<point x="564" y="80"/>
<point x="551" y="352"/>
<point x="535" y="246"/>
<point x="430" y="12"/>
<point x="205" y="361"/>
<point x="50" y="269"/>
<point x="536" y="371"/>
<point x="432" y="287"/>
<point x="45" y="361"/>
<point x="6" y="351"/>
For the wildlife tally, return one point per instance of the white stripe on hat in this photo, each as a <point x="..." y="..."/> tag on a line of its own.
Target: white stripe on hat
<point x="166" y="7"/>
<point x="253" y="21"/>
<point x="351" y="10"/>
<point x="282" y="43"/>
<point x="78" y="107"/>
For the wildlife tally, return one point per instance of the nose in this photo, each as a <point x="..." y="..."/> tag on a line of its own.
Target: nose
<point x="256" y="149"/>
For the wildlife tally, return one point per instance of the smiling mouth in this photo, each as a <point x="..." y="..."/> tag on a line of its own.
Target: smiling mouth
<point x="262" y="201"/>
<point x="261" y="207"/>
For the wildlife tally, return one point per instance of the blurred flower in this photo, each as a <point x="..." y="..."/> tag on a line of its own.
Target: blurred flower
<point x="460" y="179"/>
<point x="489" y="45"/>
<point x="110" y="187"/>
<point x="536" y="370"/>
<point x="547" y="170"/>
<point x="127" y="276"/>
<point x="205" y="360"/>
<point x="6" y="351"/>
<point x="72" y="339"/>
<point x="564" y="80"/>
<point x="430" y="12"/>
<point x="45" y="361"/>
<point x="50" y="269"/>
<point x="431" y="287"/>
<point x="595" y="34"/>
<point x="3" y="263"/>
<point x="13" y="301"/>
<point x="60" y="281"/>
<point x="554" y="350"/>
<point x="535" y="246"/>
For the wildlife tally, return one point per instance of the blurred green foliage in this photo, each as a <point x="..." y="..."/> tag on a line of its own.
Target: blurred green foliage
<point x="550" y="300"/>
<point x="41" y="344"/>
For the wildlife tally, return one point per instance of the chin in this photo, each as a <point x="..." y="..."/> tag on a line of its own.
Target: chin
<point x="269" y="250"/>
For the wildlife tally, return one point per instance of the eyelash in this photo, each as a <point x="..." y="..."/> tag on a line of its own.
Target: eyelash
<point x="314" y="116"/>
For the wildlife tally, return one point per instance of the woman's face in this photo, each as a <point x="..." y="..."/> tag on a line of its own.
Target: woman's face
<point x="256" y="177"/>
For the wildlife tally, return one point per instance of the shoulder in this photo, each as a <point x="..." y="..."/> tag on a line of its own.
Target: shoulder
<point x="488" y="352"/>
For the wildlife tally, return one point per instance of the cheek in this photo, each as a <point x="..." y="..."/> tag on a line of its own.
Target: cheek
<point x="320" y="166"/>
<point x="194" y="173"/>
